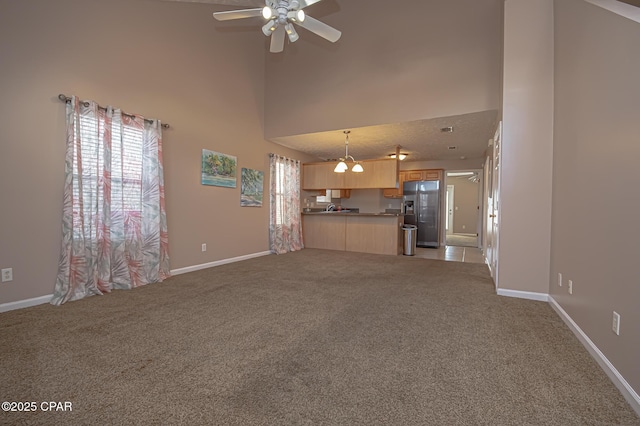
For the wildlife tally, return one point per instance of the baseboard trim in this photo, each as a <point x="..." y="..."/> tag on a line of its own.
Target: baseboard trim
<point x="541" y="297"/>
<point x="623" y="386"/>
<point x="27" y="303"/>
<point x="19" y="304"/>
<point x="218" y="263"/>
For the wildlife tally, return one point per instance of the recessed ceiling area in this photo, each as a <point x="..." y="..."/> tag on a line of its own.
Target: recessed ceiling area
<point x="423" y="140"/>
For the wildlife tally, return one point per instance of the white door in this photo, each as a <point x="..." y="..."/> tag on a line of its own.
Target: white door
<point x="450" y="204"/>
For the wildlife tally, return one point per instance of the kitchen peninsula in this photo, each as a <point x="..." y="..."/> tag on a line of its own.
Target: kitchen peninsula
<point x="378" y="233"/>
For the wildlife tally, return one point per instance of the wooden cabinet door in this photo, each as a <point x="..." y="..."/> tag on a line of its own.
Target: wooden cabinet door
<point x="320" y="176"/>
<point x="411" y="175"/>
<point x="324" y="231"/>
<point x="395" y="192"/>
<point x="377" y="174"/>
<point x="432" y="174"/>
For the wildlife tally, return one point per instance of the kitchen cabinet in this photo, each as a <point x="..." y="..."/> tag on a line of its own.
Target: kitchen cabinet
<point x="325" y="231"/>
<point x="340" y="193"/>
<point x="320" y="176"/>
<point x="396" y="192"/>
<point x="364" y="233"/>
<point x="377" y="174"/>
<point x="432" y="174"/>
<point x="374" y="234"/>
<point x="412" y="175"/>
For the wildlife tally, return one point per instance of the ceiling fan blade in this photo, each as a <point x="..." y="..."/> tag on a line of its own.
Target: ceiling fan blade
<point x="277" y="40"/>
<point x="306" y="3"/>
<point x="320" y="28"/>
<point x="237" y="14"/>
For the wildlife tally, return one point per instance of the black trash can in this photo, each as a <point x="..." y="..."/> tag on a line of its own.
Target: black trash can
<point x="410" y="237"/>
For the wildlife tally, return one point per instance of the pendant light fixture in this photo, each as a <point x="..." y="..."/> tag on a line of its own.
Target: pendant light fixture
<point x="342" y="165"/>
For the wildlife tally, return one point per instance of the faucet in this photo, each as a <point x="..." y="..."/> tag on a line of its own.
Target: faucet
<point x="331" y="207"/>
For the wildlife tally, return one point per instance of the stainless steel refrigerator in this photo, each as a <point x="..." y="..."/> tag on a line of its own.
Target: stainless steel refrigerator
<point x="421" y="206"/>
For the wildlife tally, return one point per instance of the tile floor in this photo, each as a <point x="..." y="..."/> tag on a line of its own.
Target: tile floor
<point x="452" y="253"/>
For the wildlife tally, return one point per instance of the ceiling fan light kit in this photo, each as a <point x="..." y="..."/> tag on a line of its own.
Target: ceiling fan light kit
<point x="269" y="28"/>
<point x="280" y="16"/>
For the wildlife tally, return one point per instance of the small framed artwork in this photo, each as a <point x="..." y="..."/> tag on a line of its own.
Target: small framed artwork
<point x="218" y="169"/>
<point x="251" y="188"/>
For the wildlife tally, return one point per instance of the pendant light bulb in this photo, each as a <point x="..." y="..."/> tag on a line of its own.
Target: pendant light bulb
<point x="341" y="167"/>
<point x="357" y="168"/>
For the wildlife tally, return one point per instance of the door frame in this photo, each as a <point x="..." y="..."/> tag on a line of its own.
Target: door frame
<point x="480" y="200"/>
<point x="450" y="203"/>
<point x="492" y="200"/>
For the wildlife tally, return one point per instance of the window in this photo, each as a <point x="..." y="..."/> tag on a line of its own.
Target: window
<point x="280" y="194"/>
<point x="125" y="168"/>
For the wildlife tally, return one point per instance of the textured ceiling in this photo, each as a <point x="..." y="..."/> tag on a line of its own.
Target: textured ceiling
<point x="421" y="139"/>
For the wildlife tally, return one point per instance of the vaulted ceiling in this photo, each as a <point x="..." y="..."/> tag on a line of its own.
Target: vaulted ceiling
<point x="421" y="138"/>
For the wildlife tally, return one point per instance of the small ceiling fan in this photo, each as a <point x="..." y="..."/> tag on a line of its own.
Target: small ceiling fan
<point x="280" y="16"/>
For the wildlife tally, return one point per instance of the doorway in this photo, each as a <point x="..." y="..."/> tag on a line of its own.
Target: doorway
<point x="463" y="200"/>
<point x="449" y="217"/>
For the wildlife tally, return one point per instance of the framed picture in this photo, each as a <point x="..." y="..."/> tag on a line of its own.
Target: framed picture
<point x="251" y="188"/>
<point x="218" y="169"/>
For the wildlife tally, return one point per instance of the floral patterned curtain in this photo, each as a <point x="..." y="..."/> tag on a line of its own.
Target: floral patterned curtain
<point x="285" y="227"/>
<point x="114" y="226"/>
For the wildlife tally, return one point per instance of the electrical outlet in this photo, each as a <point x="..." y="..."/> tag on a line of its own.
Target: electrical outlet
<point x="570" y="287"/>
<point x="7" y="275"/>
<point x="616" y="323"/>
<point x="204" y="247"/>
<point x="559" y="279"/>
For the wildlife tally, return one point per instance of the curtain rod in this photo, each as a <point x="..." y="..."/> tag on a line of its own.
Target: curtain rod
<point x="65" y="98"/>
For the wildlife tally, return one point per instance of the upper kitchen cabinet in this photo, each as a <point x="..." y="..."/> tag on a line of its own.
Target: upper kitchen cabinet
<point x="377" y="174"/>
<point x="427" y="174"/>
<point x="435" y="174"/>
<point x="321" y="176"/>
<point x="412" y="175"/>
<point x="396" y="192"/>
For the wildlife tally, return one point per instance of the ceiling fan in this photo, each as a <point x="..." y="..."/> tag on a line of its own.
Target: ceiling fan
<point x="280" y="16"/>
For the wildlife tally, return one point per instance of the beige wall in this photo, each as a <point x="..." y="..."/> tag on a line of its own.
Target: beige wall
<point x="391" y="65"/>
<point x="370" y="201"/>
<point x="163" y="60"/>
<point x="527" y="147"/>
<point x="596" y="177"/>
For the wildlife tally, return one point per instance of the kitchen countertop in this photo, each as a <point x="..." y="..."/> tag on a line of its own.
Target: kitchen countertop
<point x="339" y="213"/>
